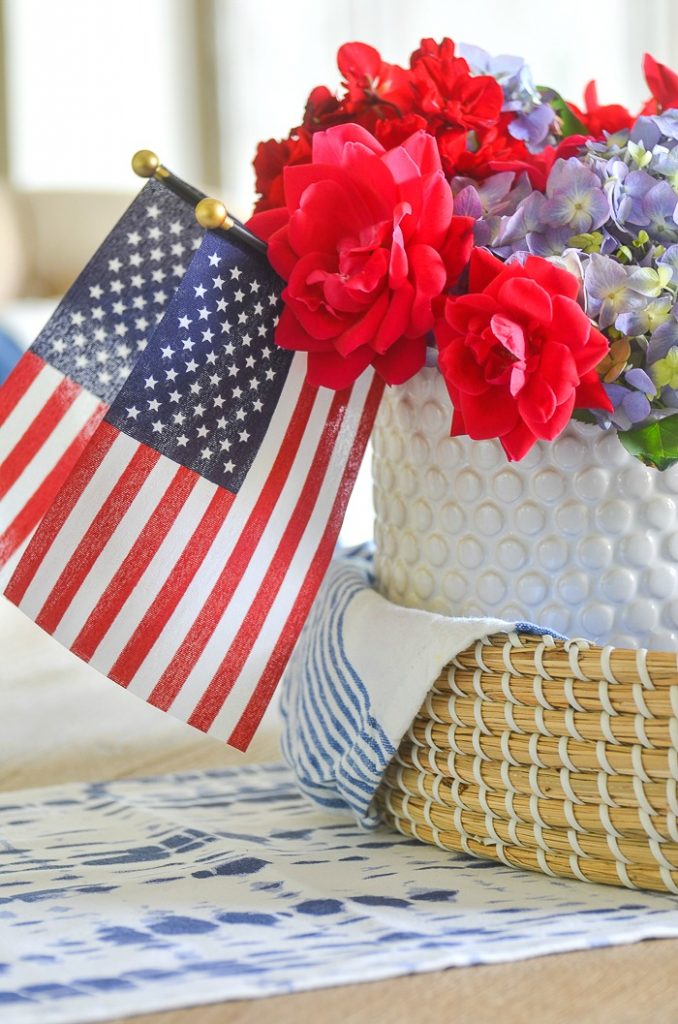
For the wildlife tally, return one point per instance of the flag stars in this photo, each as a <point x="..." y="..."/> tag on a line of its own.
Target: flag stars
<point x="79" y="340"/>
<point x="191" y="366"/>
<point x="77" y="319"/>
<point x="239" y="295"/>
<point x="202" y="431"/>
<point x="254" y="286"/>
<point x="257" y="405"/>
<point x="153" y="211"/>
<point x="132" y="413"/>
<point x="240" y="414"/>
<point x="266" y="352"/>
<point x="154" y="405"/>
<point x="270" y="374"/>
<point x="179" y="418"/>
<point x="237" y="392"/>
<point x="199" y="410"/>
<point x="261" y="330"/>
<point x="218" y="402"/>
<point x="123" y="351"/>
<point x="133" y="238"/>
<point x="120" y="330"/>
<point x="98" y="313"/>
<point x="203" y="313"/>
<point x="155" y="254"/>
<point x="137" y="281"/>
<point x="242" y="318"/>
<point x="222" y="424"/>
<point x="116" y="286"/>
<point x="243" y="436"/>
<point x="155" y="233"/>
<point x="246" y="339"/>
<point x="115" y="265"/>
<point x="211" y="358"/>
<point x="184" y="322"/>
<point x="178" y="249"/>
<point x="236" y="273"/>
<point x="138" y="302"/>
<point x="258" y="309"/>
<point x="221" y="305"/>
<point x="218" y="282"/>
<point x="96" y="291"/>
<point x="225" y="327"/>
<point x="171" y="375"/>
<point x="188" y="344"/>
<point x="59" y="346"/>
<point x="233" y="370"/>
<point x="214" y="259"/>
<point x="249" y="362"/>
<point x="167" y="352"/>
<point x="158" y="426"/>
<point x="205" y="453"/>
<point x="229" y="466"/>
<point x="150" y="382"/>
<point x="254" y="384"/>
<point x="225" y="444"/>
<point x="200" y="291"/>
<point x="214" y="379"/>
<point x="175" y="396"/>
<point x="141" y="323"/>
<point x="182" y="441"/>
<point x="175" y="227"/>
<point x="135" y="260"/>
<point x="229" y="349"/>
<point x="104" y="377"/>
<point x="272" y="299"/>
<point x="160" y="297"/>
<point x="158" y="276"/>
<point x="207" y="335"/>
<point x="195" y="388"/>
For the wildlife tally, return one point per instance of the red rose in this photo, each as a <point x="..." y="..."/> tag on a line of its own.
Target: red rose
<point x="518" y="353"/>
<point x="367" y="241"/>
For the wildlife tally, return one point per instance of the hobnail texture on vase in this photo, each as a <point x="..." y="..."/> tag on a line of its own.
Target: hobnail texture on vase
<point x="579" y="536"/>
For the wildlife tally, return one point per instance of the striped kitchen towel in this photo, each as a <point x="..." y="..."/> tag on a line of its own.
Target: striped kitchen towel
<point x="358" y="676"/>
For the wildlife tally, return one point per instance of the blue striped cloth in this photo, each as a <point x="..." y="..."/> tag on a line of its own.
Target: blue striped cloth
<point x="358" y="676"/>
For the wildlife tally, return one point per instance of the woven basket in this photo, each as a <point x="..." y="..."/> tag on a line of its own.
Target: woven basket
<point x="555" y="756"/>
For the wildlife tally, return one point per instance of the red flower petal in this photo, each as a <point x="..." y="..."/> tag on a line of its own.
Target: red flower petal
<point x="526" y="299"/>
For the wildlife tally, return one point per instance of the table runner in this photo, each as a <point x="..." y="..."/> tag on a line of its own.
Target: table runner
<point x="134" y="896"/>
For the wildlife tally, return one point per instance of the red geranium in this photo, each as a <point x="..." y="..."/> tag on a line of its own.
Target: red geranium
<point x="367" y="240"/>
<point x="598" y="117"/>
<point x="518" y="353"/>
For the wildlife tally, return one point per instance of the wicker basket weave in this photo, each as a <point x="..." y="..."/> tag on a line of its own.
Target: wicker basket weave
<point x="556" y="756"/>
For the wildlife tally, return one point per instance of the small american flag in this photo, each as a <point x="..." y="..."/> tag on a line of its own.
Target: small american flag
<point x="59" y="391"/>
<point x="183" y="554"/>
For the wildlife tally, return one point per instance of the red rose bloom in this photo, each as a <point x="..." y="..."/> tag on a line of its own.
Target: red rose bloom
<point x="271" y="159"/>
<point x="518" y="353"/>
<point x="367" y="241"/>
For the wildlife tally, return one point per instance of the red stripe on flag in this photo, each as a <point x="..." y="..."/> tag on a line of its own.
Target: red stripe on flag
<point x="156" y="618"/>
<point x="214" y="607"/>
<point x="97" y="535"/>
<point x="37" y="505"/>
<point x="135" y="563"/>
<point x="18" y="383"/>
<point x="32" y="440"/>
<point x="59" y="512"/>
<point x="247" y="725"/>
<point x="222" y="682"/>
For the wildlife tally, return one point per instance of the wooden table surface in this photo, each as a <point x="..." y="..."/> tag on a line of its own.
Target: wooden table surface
<point x="61" y="722"/>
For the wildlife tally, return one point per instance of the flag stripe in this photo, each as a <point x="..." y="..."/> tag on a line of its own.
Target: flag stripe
<point x="135" y="564"/>
<point x="270" y="629"/>
<point x="212" y="699"/>
<point x="214" y="607"/>
<point x="197" y="591"/>
<point x="18" y="383"/>
<point x="28" y="517"/>
<point x="60" y="511"/>
<point x="249" y="720"/>
<point x="37" y="433"/>
<point x="151" y="626"/>
<point x="95" y="537"/>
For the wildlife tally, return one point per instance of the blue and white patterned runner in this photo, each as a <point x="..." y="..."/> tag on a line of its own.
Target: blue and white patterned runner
<point x="129" y="897"/>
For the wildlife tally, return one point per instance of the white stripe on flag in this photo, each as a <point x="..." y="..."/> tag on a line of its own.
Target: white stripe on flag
<point x="29" y="405"/>
<point x="155" y="574"/>
<point x="45" y="459"/>
<point x="188" y="607"/>
<point x="109" y="558"/>
<point x="225" y="631"/>
<point x="253" y="668"/>
<point x="69" y="536"/>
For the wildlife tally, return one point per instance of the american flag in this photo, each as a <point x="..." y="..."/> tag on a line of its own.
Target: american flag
<point x="183" y="554"/>
<point x="59" y="391"/>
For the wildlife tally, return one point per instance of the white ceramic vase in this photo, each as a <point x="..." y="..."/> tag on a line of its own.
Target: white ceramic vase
<point x="578" y="536"/>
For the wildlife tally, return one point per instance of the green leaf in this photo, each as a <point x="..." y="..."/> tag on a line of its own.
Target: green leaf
<point x="655" y="444"/>
<point x="569" y="122"/>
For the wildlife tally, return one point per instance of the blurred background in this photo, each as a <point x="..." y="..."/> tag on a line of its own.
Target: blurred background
<point x="85" y="83"/>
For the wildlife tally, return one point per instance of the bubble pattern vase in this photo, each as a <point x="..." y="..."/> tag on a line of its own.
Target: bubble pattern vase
<point x="579" y="536"/>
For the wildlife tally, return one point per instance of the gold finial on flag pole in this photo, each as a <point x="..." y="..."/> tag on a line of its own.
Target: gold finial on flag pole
<point x="212" y="214"/>
<point x="145" y="163"/>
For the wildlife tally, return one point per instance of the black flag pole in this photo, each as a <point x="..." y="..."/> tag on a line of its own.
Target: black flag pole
<point x="210" y="213"/>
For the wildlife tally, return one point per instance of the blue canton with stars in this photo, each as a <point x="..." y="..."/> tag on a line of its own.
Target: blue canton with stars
<point x="108" y="315"/>
<point x="205" y="389"/>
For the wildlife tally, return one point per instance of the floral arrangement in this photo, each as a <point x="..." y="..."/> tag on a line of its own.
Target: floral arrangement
<point x="454" y="203"/>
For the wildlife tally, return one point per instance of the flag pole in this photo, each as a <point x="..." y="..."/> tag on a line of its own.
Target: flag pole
<point x="210" y="213"/>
